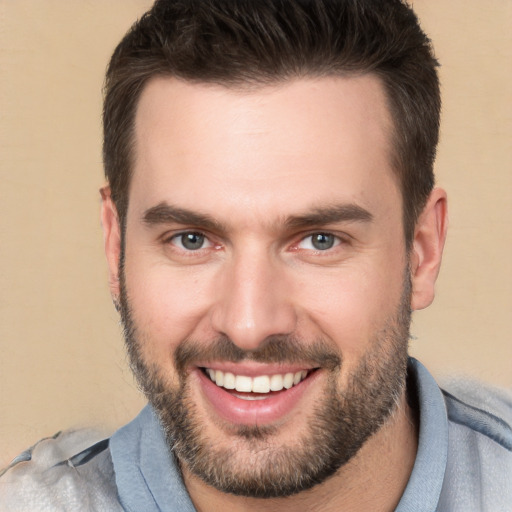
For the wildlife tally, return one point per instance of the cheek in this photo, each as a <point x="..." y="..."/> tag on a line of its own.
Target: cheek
<point x="168" y="305"/>
<point x="352" y="305"/>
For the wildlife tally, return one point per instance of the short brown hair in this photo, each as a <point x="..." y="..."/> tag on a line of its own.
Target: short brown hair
<point x="236" y="43"/>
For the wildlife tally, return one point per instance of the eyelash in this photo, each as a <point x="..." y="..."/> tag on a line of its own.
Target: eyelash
<point x="182" y="234"/>
<point x="336" y="240"/>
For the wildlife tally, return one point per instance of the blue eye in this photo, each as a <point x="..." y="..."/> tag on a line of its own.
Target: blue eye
<point x="191" y="241"/>
<point x="319" y="242"/>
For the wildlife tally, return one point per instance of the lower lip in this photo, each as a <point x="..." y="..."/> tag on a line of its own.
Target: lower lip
<point x="254" y="412"/>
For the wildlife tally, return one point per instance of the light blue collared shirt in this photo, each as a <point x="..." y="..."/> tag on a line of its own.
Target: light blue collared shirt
<point x="463" y="462"/>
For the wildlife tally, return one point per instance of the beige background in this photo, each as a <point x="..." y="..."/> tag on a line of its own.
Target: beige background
<point x="62" y="360"/>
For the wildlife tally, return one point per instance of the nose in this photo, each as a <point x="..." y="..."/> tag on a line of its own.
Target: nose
<point x="252" y="301"/>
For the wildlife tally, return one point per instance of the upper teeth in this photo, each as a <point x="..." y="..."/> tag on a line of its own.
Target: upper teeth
<point x="259" y="384"/>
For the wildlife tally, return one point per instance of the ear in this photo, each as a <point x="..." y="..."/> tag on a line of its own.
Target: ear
<point x="427" y="249"/>
<point x="111" y="239"/>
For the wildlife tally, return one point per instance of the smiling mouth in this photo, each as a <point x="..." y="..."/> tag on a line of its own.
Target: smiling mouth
<point x="255" y="388"/>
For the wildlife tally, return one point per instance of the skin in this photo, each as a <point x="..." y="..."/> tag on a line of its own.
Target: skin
<point x="251" y="161"/>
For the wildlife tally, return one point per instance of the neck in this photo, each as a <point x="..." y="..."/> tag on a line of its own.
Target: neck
<point x="374" y="480"/>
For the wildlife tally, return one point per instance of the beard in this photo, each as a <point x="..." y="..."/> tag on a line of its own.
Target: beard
<point x="341" y="421"/>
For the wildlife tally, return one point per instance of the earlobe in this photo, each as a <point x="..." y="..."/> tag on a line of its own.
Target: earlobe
<point x="427" y="249"/>
<point x="111" y="239"/>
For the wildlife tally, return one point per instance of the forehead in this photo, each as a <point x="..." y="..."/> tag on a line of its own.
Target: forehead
<point x="309" y="140"/>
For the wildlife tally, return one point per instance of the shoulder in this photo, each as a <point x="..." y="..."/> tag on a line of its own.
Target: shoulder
<point x="482" y="409"/>
<point x="69" y="471"/>
<point x="479" y="466"/>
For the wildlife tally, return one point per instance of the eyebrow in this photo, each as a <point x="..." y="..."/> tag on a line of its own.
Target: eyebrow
<point x="163" y="213"/>
<point x="330" y="215"/>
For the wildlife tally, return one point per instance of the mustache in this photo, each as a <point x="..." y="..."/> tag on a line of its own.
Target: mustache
<point x="274" y="349"/>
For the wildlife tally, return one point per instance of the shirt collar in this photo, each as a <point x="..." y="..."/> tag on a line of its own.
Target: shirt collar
<point x="147" y="475"/>
<point x="426" y="480"/>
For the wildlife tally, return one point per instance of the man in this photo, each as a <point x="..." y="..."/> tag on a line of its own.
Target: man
<point x="270" y="224"/>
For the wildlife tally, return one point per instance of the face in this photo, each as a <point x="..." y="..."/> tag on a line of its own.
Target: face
<point x="264" y="282"/>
